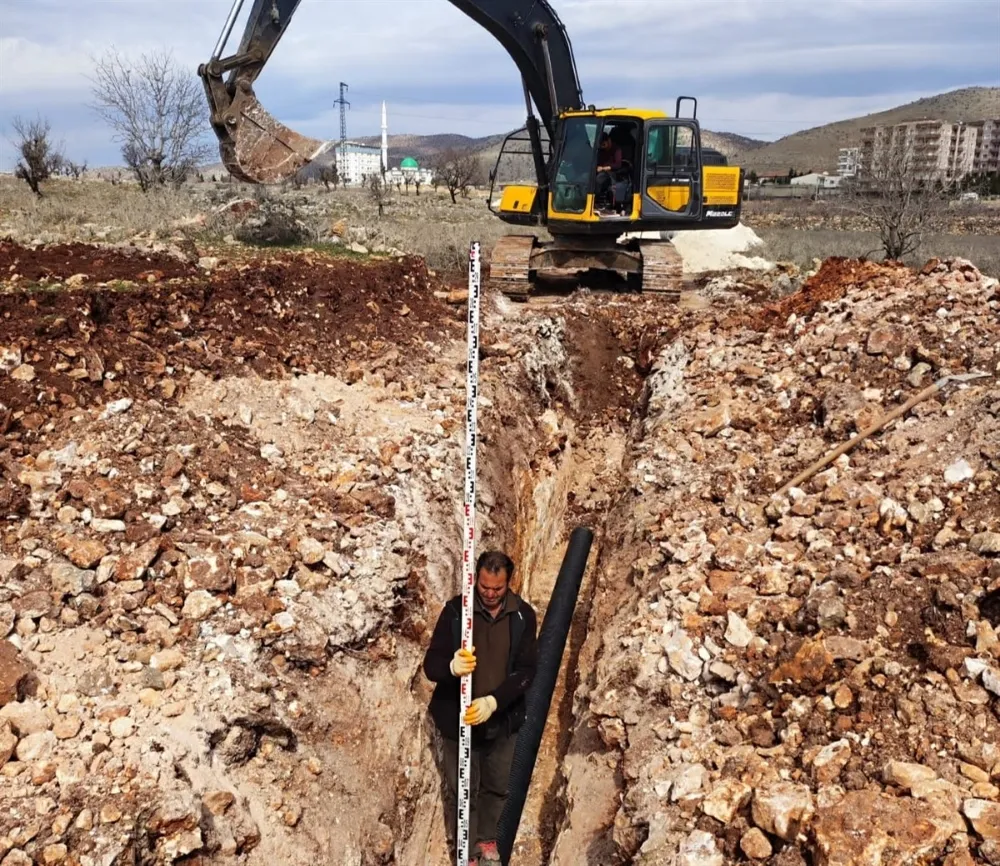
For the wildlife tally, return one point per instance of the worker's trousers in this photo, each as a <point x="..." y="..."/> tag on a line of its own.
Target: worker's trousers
<point x="487" y="785"/>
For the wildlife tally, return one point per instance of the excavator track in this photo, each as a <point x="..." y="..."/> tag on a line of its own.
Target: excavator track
<point x="510" y="265"/>
<point x="662" y="269"/>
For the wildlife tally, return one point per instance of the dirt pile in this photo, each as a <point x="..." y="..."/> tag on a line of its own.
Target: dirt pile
<point x="161" y="319"/>
<point x="774" y="673"/>
<point x="721" y="250"/>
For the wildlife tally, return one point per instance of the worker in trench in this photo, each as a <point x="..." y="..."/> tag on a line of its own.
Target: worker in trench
<point x="502" y="662"/>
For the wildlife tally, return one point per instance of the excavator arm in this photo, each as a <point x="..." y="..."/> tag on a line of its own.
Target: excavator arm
<point x="257" y="148"/>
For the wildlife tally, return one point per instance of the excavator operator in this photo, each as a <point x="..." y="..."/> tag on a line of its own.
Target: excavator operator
<point x="609" y="160"/>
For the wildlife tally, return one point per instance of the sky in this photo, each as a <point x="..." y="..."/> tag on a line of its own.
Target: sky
<point x="760" y="68"/>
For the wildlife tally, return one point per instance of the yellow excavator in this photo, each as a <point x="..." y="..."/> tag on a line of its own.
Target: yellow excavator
<point x="608" y="183"/>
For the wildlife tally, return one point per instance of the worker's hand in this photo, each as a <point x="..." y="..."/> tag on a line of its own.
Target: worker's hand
<point x="463" y="662"/>
<point x="480" y="710"/>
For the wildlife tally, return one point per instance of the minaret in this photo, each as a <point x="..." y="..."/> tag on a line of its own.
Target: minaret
<point x="385" y="141"/>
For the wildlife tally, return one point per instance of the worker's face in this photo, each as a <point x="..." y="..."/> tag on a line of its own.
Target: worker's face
<point x="492" y="587"/>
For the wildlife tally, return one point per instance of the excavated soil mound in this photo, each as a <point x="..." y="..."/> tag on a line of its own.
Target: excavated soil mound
<point x="832" y="282"/>
<point x="285" y="313"/>
<point x="62" y="261"/>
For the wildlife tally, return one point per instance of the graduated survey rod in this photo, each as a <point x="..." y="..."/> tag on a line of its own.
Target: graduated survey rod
<point x="468" y="554"/>
<point x="551" y="643"/>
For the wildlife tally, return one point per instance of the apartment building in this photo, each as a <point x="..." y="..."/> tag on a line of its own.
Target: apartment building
<point x="936" y="149"/>
<point x="987" y="158"/>
<point x="847" y="161"/>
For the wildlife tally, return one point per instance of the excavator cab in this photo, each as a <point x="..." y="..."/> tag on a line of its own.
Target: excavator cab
<point x="634" y="167"/>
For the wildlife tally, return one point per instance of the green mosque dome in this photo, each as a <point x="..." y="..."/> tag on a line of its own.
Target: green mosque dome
<point x="409" y="162"/>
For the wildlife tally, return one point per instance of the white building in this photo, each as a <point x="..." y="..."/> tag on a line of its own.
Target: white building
<point x="410" y="170"/>
<point x="988" y="147"/>
<point x="355" y="162"/>
<point x="820" y="181"/>
<point x="847" y="161"/>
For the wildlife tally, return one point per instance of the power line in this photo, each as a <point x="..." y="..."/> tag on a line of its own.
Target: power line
<point x="344" y="105"/>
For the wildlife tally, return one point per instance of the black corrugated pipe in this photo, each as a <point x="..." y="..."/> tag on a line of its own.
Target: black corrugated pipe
<point x="551" y="643"/>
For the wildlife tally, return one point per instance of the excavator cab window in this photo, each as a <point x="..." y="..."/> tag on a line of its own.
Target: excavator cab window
<point x="576" y="165"/>
<point x="672" y="171"/>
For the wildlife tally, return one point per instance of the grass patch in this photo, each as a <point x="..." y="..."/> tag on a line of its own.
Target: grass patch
<point x="87" y="211"/>
<point x="325" y="248"/>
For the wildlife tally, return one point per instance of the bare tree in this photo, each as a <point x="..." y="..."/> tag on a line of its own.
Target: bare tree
<point x="159" y="113"/>
<point x="39" y="157"/>
<point x="456" y="172"/>
<point x="330" y="176"/>
<point x="380" y="192"/>
<point x="417" y="183"/>
<point x="897" y="201"/>
<point x="74" y="169"/>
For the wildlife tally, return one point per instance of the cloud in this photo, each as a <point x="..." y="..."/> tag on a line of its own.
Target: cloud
<point x="759" y="67"/>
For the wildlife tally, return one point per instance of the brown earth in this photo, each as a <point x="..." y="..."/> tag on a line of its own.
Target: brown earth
<point x="273" y="316"/>
<point x="57" y="262"/>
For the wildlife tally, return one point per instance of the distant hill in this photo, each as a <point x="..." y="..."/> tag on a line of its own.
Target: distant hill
<point x="816" y="149"/>
<point x="425" y="147"/>
<point x="732" y="145"/>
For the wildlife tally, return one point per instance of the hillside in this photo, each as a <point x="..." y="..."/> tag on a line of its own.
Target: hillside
<point x="816" y="148"/>
<point x="810" y="149"/>
<point x="731" y="144"/>
<point x="425" y="147"/>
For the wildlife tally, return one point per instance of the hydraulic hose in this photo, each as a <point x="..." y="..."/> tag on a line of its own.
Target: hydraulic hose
<point x="551" y="642"/>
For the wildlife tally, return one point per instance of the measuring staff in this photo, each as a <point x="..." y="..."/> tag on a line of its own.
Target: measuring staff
<point x="482" y="656"/>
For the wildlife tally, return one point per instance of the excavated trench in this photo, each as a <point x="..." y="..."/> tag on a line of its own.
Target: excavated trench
<point x="544" y="476"/>
<point x="288" y="722"/>
<point x="549" y="459"/>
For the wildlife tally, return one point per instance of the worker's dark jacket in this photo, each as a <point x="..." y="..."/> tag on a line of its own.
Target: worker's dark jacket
<point x="511" y="675"/>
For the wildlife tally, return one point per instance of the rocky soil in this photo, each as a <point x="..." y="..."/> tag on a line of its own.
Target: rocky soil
<point x="231" y="502"/>
<point x="810" y="677"/>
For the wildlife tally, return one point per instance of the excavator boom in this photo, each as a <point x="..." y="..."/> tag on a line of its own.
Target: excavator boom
<point x="257" y="148"/>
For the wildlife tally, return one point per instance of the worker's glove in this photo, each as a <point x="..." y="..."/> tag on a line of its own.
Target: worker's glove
<point x="463" y="662"/>
<point x="480" y="710"/>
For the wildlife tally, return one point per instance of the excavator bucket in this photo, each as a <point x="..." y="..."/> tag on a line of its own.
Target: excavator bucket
<point x="259" y="149"/>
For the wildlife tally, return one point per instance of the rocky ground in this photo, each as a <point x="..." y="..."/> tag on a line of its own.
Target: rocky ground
<point x="232" y="489"/>
<point x="808" y="677"/>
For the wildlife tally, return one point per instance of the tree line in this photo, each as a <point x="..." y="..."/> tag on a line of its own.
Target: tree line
<point x="157" y="113"/>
